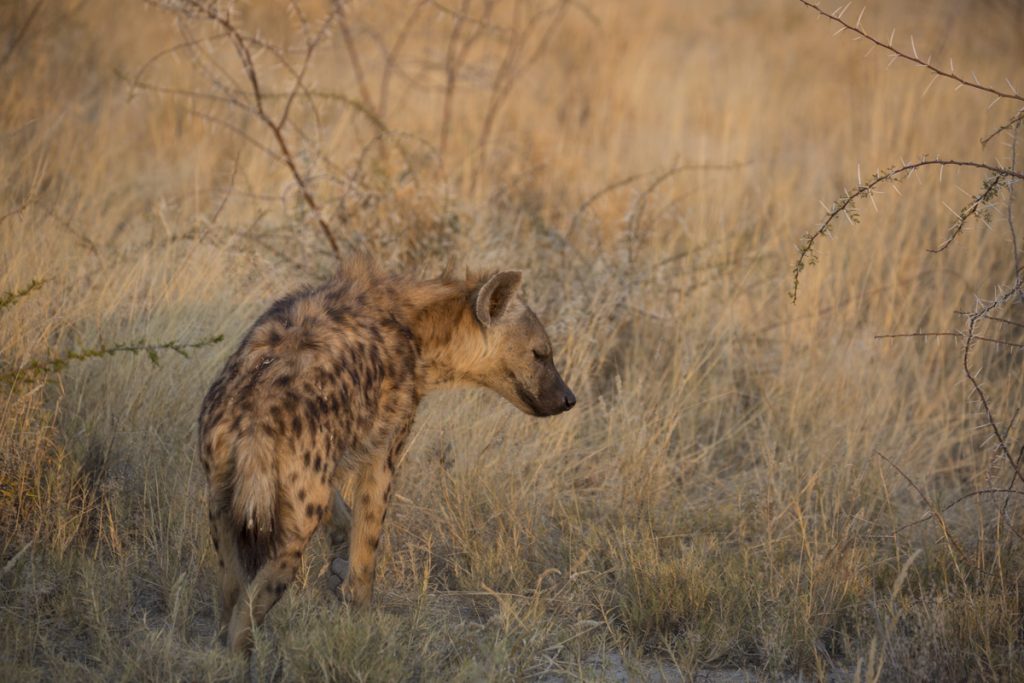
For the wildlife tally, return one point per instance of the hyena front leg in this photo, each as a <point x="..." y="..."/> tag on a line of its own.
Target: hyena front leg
<point x="340" y="524"/>
<point x="339" y="530"/>
<point x="372" y="493"/>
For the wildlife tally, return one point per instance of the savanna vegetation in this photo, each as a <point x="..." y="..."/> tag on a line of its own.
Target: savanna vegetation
<point x="748" y="484"/>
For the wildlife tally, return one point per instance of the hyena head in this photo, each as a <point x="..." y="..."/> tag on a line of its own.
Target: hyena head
<point x="516" y="357"/>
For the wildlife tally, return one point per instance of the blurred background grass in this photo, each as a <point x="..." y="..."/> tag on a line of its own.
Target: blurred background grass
<point x="721" y="497"/>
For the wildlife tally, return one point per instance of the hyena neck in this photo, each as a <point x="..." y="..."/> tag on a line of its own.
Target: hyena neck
<point x="448" y="337"/>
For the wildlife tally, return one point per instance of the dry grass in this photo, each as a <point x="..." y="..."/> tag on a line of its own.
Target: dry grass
<point x="719" y="497"/>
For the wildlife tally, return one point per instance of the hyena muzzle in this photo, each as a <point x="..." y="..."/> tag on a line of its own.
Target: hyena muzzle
<point x="320" y="396"/>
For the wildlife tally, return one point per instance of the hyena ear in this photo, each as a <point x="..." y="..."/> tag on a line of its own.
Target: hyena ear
<point x="492" y="298"/>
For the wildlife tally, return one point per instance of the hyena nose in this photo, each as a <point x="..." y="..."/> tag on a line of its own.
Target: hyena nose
<point x="570" y="399"/>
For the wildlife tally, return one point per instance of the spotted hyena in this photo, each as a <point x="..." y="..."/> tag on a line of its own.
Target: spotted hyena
<point x="321" y="395"/>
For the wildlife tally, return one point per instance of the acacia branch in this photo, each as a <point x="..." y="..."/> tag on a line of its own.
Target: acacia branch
<point x="999" y="178"/>
<point x="990" y="419"/>
<point x="950" y="506"/>
<point x="1015" y="121"/>
<point x="958" y="335"/>
<point x="276" y="128"/>
<point x="845" y="205"/>
<point x="913" y="59"/>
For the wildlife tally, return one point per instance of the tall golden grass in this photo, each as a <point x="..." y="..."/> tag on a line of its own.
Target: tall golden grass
<point x="733" y="488"/>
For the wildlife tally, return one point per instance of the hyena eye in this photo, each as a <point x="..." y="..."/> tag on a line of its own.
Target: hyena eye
<point x="541" y="355"/>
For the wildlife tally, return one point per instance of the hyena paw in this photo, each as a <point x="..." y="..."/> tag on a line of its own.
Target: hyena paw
<point x="337" y="575"/>
<point x="355" y="593"/>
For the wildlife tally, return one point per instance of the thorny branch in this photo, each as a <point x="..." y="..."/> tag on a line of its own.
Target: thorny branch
<point x="846" y="205"/>
<point x="257" y="107"/>
<point x="958" y="335"/>
<point x="949" y="506"/>
<point x="480" y="58"/>
<point x="999" y="179"/>
<point x="1015" y="121"/>
<point x="949" y="74"/>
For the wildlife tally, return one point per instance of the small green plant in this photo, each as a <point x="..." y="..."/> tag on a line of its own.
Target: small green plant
<point x="12" y="297"/>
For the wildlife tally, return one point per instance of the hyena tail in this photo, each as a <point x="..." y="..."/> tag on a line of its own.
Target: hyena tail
<point x="254" y="500"/>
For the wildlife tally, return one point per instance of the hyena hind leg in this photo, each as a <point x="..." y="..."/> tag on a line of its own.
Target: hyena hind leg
<point x="262" y="593"/>
<point x="229" y="567"/>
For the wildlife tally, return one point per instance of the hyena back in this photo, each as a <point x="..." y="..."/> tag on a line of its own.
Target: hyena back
<point x="322" y="392"/>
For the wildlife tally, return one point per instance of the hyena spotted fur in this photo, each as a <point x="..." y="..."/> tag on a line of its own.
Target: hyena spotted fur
<point x="320" y="396"/>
